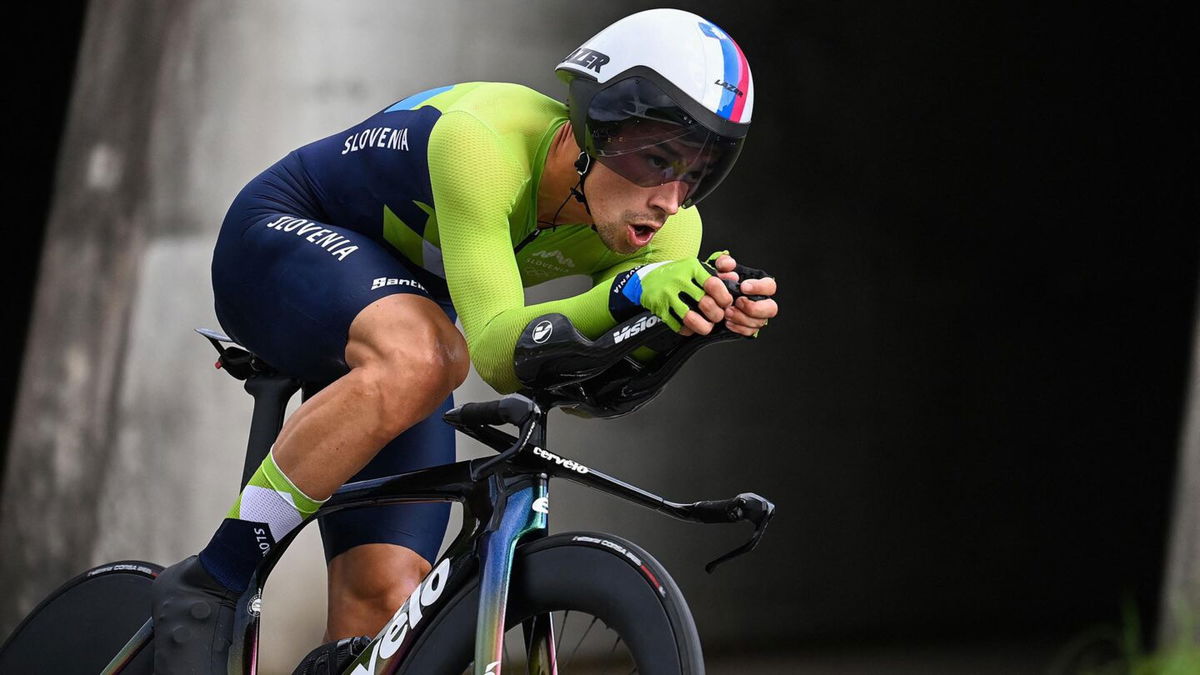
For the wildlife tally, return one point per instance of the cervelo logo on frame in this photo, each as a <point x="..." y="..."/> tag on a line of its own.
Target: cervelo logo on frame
<point x="561" y="461"/>
<point x="388" y="642"/>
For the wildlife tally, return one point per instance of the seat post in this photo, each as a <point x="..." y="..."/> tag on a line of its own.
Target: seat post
<point x="271" y="394"/>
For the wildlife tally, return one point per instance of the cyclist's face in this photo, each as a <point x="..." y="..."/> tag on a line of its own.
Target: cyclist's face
<point x="652" y="153"/>
<point x="627" y="216"/>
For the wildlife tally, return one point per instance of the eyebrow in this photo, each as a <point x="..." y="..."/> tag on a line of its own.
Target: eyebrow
<point x="669" y="151"/>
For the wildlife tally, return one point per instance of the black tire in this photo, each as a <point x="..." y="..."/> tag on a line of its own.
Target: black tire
<point x="600" y="575"/>
<point x="80" y="626"/>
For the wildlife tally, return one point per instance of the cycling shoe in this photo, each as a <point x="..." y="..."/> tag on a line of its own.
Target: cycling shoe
<point x="332" y="658"/>
<point x="193" y="621"/>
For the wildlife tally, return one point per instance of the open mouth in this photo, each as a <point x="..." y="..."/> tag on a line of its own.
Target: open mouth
<point x="641" y="234"/>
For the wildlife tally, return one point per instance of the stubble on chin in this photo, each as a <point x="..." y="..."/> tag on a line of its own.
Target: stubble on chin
<point x="612" y="237"/>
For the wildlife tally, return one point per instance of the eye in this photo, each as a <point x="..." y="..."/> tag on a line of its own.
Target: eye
<point x="657" y="162"/>
<point x="696" y="175"/>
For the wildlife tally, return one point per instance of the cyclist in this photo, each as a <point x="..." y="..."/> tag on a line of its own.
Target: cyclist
<point x="346" y="262"/>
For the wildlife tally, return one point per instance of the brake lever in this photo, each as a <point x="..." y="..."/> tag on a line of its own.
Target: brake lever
<point x="747" y="507"/>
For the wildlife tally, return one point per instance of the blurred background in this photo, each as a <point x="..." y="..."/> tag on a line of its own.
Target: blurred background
<point x="972" y="412"/>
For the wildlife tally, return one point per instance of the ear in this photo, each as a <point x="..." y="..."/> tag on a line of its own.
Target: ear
<point x="583" y="163"/>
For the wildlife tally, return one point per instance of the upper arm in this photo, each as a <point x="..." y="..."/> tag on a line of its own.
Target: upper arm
<point x="475" y="184"/>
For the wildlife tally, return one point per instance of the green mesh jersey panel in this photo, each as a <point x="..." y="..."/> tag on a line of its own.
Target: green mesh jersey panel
<point x="486" y="154"/>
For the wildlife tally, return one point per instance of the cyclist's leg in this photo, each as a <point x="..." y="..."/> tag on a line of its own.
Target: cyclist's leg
<point x="366" y="586"/>
<point x="405" y="357"/>
<point x="295" y="299"/>
<point x="391" y="352"/>
<point x="378" y="555"/>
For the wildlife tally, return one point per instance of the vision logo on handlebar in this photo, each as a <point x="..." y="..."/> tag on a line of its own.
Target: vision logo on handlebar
<point x="633" y="329"/>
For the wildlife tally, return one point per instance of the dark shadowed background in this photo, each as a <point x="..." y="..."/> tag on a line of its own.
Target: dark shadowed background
<point x="982" y="220"/>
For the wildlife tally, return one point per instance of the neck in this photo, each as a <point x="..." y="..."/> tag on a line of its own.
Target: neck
<point x="558" y="177"/>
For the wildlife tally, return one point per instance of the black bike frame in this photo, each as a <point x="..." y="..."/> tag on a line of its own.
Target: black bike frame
<point x="503" y="505"/>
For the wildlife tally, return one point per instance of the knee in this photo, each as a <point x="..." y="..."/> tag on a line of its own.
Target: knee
<point x="433" y="359"/>
<point x="378" y="596"/>
<point x="419" y="368"/>
<point x="454" y="358"/>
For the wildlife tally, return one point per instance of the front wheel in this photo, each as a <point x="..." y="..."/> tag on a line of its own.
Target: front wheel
<point x="612" y="606"/>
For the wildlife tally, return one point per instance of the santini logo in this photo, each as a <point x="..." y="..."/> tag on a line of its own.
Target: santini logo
<point x="386" y="281"/>
<point x="542" y="331"/>
<point x="635" y="328"/>
<point x="561" y="461"/>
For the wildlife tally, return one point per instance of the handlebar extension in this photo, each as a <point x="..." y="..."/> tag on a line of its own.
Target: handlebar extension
<point x="512" y="409"/>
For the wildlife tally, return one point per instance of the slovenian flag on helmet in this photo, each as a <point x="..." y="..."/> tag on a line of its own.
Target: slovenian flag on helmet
<point x="736" y="74"/>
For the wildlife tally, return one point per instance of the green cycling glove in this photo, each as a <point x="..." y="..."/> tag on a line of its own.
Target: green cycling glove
<point x="663" y="288"/>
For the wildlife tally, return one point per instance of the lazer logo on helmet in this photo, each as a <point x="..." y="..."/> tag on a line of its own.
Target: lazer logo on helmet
<point x="588" y="58"/>
<point x="730" y="87"/>
<point x="637" y="327"/>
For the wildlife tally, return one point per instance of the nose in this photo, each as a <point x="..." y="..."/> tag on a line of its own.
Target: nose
<point x="668" y="196"/>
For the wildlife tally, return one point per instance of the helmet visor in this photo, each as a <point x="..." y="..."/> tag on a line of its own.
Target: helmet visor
<point x="640" y="133"/>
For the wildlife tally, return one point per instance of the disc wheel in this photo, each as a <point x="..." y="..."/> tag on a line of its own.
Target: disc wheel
<point x="80" y="626"/>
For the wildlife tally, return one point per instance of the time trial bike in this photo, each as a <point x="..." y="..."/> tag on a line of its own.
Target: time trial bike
<point x="506" y="595"/>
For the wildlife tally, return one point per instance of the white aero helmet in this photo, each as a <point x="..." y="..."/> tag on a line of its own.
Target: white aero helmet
<point x="661" y="96"/>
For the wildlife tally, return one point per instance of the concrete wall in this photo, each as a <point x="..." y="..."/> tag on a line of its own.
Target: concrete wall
<point x="127" y="444"/>
<point x="967" y="412"/>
